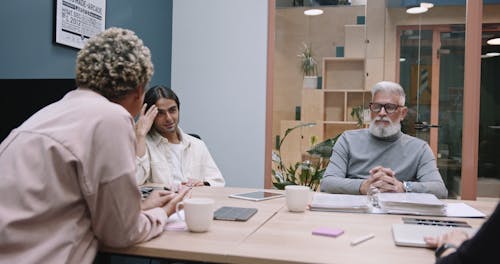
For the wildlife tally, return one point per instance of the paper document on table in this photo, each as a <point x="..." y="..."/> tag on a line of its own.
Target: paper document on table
<point x="388" y="203"/>
<point x="462" y="210"/>
<point x="392" y="203"/>
<point x="411" y="203"/>
<point x="339" y="203"/>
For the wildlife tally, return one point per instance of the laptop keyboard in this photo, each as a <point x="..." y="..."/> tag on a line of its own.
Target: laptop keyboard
<point x="234" y="213"/>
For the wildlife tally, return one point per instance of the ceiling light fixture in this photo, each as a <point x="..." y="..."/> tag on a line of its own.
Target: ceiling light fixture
<point x="489" y="55"/>
<point x="494" y="41"/>
<point x="416" y="10"/>
<point x="418" y="7"/>
<point x="313" y="12"/>
<point x="427" y="5"/>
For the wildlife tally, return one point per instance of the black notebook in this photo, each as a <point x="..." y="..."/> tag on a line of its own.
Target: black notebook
<point x="234" y="213"/>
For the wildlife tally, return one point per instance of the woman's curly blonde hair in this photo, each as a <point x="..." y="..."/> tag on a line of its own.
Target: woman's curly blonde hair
<point x="113" y="63"/>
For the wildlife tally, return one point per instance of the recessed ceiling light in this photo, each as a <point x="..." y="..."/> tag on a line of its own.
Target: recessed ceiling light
<point x="402" y="59"/>
<point x="427" y="5"/>
<point x="490" y="54"/>
<point x="313" y="12"/>
<point x="416" y="10"/>
<point x="495" y="41"/>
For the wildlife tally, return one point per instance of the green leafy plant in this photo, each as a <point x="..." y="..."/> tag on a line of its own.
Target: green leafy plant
<point x="308" y="172"/>
<point x="357" y="113"/>
<point x="308" y="63"/>
<point x="323" y="149"/>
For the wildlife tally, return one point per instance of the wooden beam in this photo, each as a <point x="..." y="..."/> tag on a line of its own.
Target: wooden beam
<point x="269" y="94"/>
<point x="434" y="119"/>
<point x="472" y="88"/>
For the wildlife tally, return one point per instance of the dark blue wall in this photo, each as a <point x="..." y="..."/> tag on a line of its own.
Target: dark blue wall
<point x="27" y="49"/>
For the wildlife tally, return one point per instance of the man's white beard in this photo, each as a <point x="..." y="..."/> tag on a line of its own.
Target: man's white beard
<point x="384" y="131"/>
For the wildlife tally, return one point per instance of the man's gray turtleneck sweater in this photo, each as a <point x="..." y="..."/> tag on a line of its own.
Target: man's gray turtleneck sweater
<point x="358" y="151"/>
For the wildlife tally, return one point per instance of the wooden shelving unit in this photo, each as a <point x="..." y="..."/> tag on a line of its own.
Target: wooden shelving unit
<point x="343" y="88"/>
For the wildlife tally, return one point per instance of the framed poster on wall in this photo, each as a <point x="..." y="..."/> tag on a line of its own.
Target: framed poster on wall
<point x="78" y="20"/>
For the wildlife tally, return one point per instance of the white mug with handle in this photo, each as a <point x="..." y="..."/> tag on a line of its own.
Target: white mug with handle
<point x="198" y="213"/>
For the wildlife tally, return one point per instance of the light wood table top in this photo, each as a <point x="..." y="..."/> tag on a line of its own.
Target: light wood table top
<point x="287" y="238"/>
<point x="214" y="245"/>
<point x="274" y="235"/>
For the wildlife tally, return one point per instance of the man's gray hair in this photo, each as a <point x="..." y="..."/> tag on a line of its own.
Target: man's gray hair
<point x="390" y="87"/>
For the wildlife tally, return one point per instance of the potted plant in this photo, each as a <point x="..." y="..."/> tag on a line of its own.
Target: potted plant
<point x="308" y="172"/>
<point x="309" y="67"/>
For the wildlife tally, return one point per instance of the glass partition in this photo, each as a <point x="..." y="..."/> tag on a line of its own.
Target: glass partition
<point x="356" y="46"/>
<point x="335" y="38"/>
<point x="416" y="74"/>
<point x="431" y="70"/>
<point x="489" y="121"/>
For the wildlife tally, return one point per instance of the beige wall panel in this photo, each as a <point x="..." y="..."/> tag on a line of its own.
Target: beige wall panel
<point x="390" y="75"/>
<point x="354" y="41"/>
<point x="375" y="22"/>
<point x="334" y="106"/>
<point x="374" y="72"/>
<point x="312" y="105"/>
<point x="343" y="74"/>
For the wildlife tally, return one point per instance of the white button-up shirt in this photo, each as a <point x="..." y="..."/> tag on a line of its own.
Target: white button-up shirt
<point x="196" y="162"/>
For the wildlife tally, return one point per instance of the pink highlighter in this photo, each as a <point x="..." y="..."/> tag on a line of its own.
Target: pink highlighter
<point x="325" y="231"/>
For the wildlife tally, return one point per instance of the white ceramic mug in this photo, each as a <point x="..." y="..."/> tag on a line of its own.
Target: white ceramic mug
<point x="297" y="197"/>
<point x="198" y="213"/>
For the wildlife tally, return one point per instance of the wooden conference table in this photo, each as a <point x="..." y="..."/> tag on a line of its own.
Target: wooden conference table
<point x="274" y="235"/>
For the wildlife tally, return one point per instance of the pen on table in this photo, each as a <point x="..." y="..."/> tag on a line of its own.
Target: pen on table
<point x="362" y="239"/>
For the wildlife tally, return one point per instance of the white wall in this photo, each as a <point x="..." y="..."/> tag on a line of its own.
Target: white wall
<point x="219" y="73"/>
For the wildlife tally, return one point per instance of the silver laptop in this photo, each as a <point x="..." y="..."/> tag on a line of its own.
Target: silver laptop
<point x="412" y="235"/>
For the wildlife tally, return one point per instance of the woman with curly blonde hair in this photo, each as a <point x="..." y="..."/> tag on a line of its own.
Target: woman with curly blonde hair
<point x="68" y="172"/>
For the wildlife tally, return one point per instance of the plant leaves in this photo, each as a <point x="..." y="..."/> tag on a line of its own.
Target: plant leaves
<point x="323" y="149"/>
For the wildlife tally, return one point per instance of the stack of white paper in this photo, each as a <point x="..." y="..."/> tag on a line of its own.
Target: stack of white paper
<point x="411" y="203"/>
<point x="339" y="203"/>
<point x="392" y="203"/>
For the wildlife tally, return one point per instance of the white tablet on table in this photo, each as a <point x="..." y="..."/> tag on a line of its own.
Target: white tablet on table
<point x="257" y="195"/>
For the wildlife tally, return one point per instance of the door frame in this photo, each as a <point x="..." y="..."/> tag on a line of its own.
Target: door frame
<point x="470" y="134"/>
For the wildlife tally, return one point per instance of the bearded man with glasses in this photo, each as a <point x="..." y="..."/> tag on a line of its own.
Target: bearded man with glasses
<point x="382" y="157"/>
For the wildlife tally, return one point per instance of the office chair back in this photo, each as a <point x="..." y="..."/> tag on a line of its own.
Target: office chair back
<point x="195" y="135"/>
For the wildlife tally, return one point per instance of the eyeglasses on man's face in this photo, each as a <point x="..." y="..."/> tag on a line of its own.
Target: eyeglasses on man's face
<point x="389" y="108"/>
